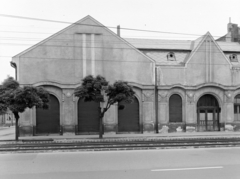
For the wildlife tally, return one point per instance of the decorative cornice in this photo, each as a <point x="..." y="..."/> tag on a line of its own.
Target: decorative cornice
<point x="141" y="86"/>
<point x="205" y="85"/>
<point x="54" y="83"/>
<point x="73" y="86"/>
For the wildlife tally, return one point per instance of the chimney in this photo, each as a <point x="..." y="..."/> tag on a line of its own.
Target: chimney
<point x="118" y="30"/>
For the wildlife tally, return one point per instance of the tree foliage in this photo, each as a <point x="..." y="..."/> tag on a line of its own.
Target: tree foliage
<point x="3" y="106"/>
<point x="17" y="98"/>
<point x="90" y="88"/>
<point x="95" y="88"/>
<point x="120" y="91"/>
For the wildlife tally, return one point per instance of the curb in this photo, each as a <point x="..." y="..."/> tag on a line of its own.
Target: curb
<point x="122" y="149"/>
<point x="146" y="139"/>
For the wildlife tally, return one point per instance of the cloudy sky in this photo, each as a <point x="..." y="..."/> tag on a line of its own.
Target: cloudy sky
<point x="182" y="17"/>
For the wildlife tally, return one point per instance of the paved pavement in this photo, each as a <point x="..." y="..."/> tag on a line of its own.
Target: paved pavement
<point x="8" y="133"/>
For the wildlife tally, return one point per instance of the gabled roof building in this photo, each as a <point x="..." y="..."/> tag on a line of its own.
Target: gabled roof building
<point x="180" y="85"/>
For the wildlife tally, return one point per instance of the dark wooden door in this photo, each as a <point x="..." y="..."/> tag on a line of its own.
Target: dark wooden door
<point x="48" y="120"/>
<point x="128" y="118"/>
<point x="175" y="108"/>
<point x="88" y="117"/>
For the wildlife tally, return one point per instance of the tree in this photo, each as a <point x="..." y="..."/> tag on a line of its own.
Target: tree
<point x="99" y="90"/>
<point x="17" y="99"/>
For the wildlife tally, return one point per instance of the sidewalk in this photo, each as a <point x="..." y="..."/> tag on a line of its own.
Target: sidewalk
<point x="133" y="137"/>
<point x="8" y="133"/>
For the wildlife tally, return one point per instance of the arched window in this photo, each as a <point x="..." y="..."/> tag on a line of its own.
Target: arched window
<point x="171" y="56"/>
<point x="175" y="108"/>
<point x="237" y="108"/>
<point x="233" y="58"/>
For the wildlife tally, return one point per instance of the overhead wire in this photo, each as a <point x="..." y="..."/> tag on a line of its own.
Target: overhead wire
<point x="46" y="20"/>
<point x="111" y="27"/>
<point x="102" y="60"/>
<point x="103" y="46"/>
<point x="29" y="18"/>
<point x="144" y="41"/>
<point x="161" y="61"/>
<point x="132" y="41"/>
<point x="28" y="32"/>
<point x="123" y="37"/>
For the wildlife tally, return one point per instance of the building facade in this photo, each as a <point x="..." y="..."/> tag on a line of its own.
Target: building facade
<point x="181" y="86"/>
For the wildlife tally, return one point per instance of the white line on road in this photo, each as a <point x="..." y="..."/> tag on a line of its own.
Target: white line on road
<point x="178" y="169"/>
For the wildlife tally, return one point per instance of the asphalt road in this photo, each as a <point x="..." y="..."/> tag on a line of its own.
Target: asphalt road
<point x="217" y="163"/>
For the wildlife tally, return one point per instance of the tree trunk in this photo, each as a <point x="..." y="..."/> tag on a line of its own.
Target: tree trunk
<point x="16" y="125"/>
<point x="101" y="128"/>
<point x="101" y="123"/>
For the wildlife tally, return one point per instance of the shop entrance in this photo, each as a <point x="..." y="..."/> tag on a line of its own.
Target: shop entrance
<point x="208" y="112"/>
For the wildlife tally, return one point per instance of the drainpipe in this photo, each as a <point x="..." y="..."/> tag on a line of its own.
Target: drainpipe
<point x="14" y="65"/>
<point x="156" y="100"/>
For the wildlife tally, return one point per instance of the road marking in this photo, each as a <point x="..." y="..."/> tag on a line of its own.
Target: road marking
<point x="178" y="169"/>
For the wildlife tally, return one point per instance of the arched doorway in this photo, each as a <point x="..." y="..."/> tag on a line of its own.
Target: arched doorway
<point x="88" y="117"/>
<point x="128" y="117"/>
<point x="208" y="113"/>
<point x="48" y="120"/>
<point x="175" y="108"/>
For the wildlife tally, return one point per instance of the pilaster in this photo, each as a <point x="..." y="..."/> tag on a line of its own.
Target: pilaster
<point x="148" y="111"/>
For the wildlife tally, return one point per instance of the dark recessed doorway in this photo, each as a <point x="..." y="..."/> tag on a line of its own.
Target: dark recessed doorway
<point x="208" y="112"/>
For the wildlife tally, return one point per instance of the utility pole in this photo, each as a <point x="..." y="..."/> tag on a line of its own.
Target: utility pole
<point x="156" y="100"/>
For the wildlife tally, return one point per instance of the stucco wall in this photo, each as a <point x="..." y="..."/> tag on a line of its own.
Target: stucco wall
<point x="172" y="75"/>
<point x="206" y="64"/>
<point x="80" y="50"/>
<point x="236" y="76"/>
<point x="196" y="67"/>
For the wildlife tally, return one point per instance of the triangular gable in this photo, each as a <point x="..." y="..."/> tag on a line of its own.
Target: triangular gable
<point x="199" y="42"/>
<point x="51" y="37"/>
<point x="196" y="42"/>
<point x="98" y="24"/>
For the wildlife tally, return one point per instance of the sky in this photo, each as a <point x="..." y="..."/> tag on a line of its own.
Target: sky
<point x="183" y="17"/>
